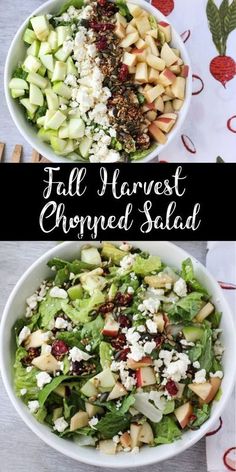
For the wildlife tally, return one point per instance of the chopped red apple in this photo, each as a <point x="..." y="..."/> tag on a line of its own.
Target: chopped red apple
<point x="177" y="104"/>
<point x="107" y="446"/>
<point x="178" y="87"/>
<point x="202" y="390"/>
<point x="129" y="59"/>
<point x="153" y="75"/>
<point x="142" y="24"/>
<point x="159" y="104"/>
<point x="183" y="414"/>
<point x="215" y="384"/>
<point x="152" y="44"/>
<point x="111" y="327"/>
<point x="157" y="134"/>
<point x="168" y="107"/>
<point x="125" y="440"/>
<point x="166" y="121"/>
<point x="146" y="434"/>
<point x="130" y="29"/>
<point x="168" y="55"/>
<point x="120" y="31"/>
<point x="184" y="71"/>
<point x="117" y="392"/>
<point x="145" y="376"/>
<point x="145" y="361"/>
<point x="141" y="74"/>
<point x="166" y="29"/>
<point x="167" y="78"/>
<point x="129" y="39"/>
<point x="153" y="93"/>
<point x="134" y="434"/>
<point x="155" y="62"/>
<point x="135" y="10"/>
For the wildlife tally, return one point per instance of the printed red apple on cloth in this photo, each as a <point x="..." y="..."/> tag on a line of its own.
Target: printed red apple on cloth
<point x="165" y="6"/>
<point x="222" y="21"/>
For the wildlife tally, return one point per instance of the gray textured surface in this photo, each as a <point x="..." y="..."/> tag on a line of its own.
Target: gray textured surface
<point x="21" y="450"/>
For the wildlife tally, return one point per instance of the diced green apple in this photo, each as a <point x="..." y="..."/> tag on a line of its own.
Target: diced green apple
<point x="71" y="69"/>
<point x="93" y="410"/>
<point x="85" y="145"/>
<point x="26" y="103"/>
<point x="32" y="64"/>
<point x="33" y="50"/>
<point x="63" y="131"/>
<point x="40" y="121"/>
<point x="37" y="79"/>
<point x="63" y="90"/>
<point x="90" y="254"/>
<point x="69" y="148"/>
<point x="56" y="120"/>
<point x="52" y="100"/>
<point x="79" y="420"/>
<point x="76" y="128"/>
<point x="35" y="95"/>
<point x="57" y="144"/>
<point x="29" y="36"/>
<point x="52" y="40"/>
<point x="59" y="72"/>
<point x="18" y="84"/>
<point x="16" y="93"/>
<point x="42" y="71"/>
<point x="46" y="135"/>
<point x="104" y="381"/>
<point x="62" y="54"/>
<point x="41" y="27"/>
<point x="89" y="389"/>
<point x="63" y="33"/>
<point x="48" y="62"/>
<point x="75" y="292"/>
<point x="44" y="49"/>
<point x="192" y="333"/>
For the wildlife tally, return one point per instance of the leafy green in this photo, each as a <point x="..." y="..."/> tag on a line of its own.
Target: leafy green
<point x="48" y="308"/>
<point x="92" y="330"/>
<point x="187" y="307"/>
<point x="195" y="353"/>
<point x="202" y="415"/>
<point x="166" y="431"/>
<point x="80" y="314"/>
<point x="40" y="112"/>
<point x="123" y="9"/>
<point x="75" y="266"/>
<point x="215" y="319"/>
<point x="41" y="414"/>
<point x="105" y="351"/>
<point x="135" y="156"/>
<point x="24" y="379"/>
<point x="70" y="338"/>
<point x="71" y="3"/>
<point x="203" y="351"/>
<point x="141" y="98"/>
<point x="169" y="408"/>
<point x="214" y="22"/>
<point x="115" y="144"/>
<point x="113" y="422"/>
<point x="45" y="392"/>
<point x="146" y="266"/>
<point x="20" y="73"/>
<point x="230" y="18"/>
<point x="152" y="21"/>
<point x="126" y="404"/>
<point x="187" y="274"/>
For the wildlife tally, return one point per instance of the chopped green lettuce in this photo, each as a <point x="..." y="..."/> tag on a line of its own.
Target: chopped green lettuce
<point x="186" y="308"/>
<point x="109" y="251"/>
<point x="202" y="415"/>
<point x="187" y="274"/>
<point x="71" y="3"/>
<point x="105" y="352"/>
<point x="113" y="422"/>
<point x="144" y="267"/>
<point x="80" y="314"/>
<point x="166" y="431"/>
<point x="92" y="331"/>
<point x="23" y="379"/>
<point x="48" y="308"/>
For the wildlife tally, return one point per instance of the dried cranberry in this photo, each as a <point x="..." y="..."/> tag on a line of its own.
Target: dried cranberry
<point x="123" y="73"/>
<point x="78" y="367"/>
<point x="59" y="349"/>
<point x="122" y="355"/>
<point x="192" y="418"/>
<point x="101" y="26"/>
<point x="101" y="44"/>
<point x="119" y="342"/>
<point x="102" y="3"/>
<point x="123" y="299"/>
<point x="159" y="339"/>
<point x="31" y="354"/>
<point x="106" y="307"/>
<point x="124" y="321"/>
<point x="171" y="388"/>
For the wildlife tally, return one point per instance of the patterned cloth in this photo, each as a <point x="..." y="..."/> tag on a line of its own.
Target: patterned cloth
<point x="209" y="130"/>
<point x="221" y="441"/>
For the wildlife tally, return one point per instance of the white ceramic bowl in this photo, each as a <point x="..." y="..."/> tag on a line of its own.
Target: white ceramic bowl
<point x="17" y="54"/>
<point x="15" y="306"/>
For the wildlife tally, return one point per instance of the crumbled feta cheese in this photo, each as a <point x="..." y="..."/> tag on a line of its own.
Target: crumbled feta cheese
<point x="60" y="424"/>
<point x="150" y="305"/>
<point x="180" y="287"/>
<point x="92" y="423"/>
<point x="32" y="301"/>
<point x="157" y="364"/>
<point x="196" y="365"/>
<point x="57" y="292"/>
<point x="132" y="336"/>
<point x="151" y="326"/>
<point x="125" y="247"/>
<point x="116" y="439"/>
<point x="43" y="378"/>
<point x="149" y="346"/>
<point x="128" y="261"/>
<point x="130" y="290"/>
<point x="118" y="404"/>
<point x="76" y="354"/>
<point x="186" y="343"/>
<point x="176" y="364"/>
<point x="60" y="323"/>
<point x="46" y="349"/>
<point x="24" y="334"/>
<point x="29" y="368"/>
<point x="218" y="349"/>
<point x="141" y="328"/>
<point x="218" y="373"/>
<point x="33" y="406"/>
<point x="23" y="391"/>
<point x="88" y="347"/>
<point x="136" y="352"/>
<point x="200" y="376"/>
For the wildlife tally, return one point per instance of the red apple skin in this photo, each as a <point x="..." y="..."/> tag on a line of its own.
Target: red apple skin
<point x="144" y="362"/>
<point x="139" y="377"/>
<point x="137" y="51"/>
<point x="169" y="75"/>
<point x="215" y="384"/>
<point x="151" y="106"/>
<point x="163" y="23"/>
<point x="157" y="134"/>
<point x="184" y="71"/>
<point x="187" y="414"/>
<point x="108" y="332"/>
<point x="164" y="120"/>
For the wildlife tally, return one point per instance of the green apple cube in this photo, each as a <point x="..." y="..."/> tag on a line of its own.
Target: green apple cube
<point x="52" y="40"/>
<point x="48" y="62"/>
<point x="37" y="79"/>
<point x="57" y="144"/>
<point x="32" y="64"/>
<point x="89" y="390"/>
<point x="63" y="90"/>
<point x="18" y="84"/>
<point x="41" y="120"/>
<point x="71" y="69"/>
<point x="56" y="120"/>
<point x="85" y="146"/>
<point x="104" y="381"/>
<point x="44" y="49"/>
<point x="16" y="93"/>
<point x="29" y="106"/>
<point x="193" y="333"/>
<point x="46" y="135"/>
<point x="76" y="291"/>
<point x="35" y="95"/>
<point x="63" y="101"/>
<point x="62" y="55"/>
<point x="42" y="71"/>
<point x="91" y="255"/>
<point x="76" y="128"/>
<point x="29" y="36"/>
<point x="70" y="147"/>
<point x="52" y="99"/>
<point x="41" y="27"/>
<point x="59" y="73"/>
<point x="63" y="132"/>
<point x="63" y="33"/>
<point x="33" y="50"/>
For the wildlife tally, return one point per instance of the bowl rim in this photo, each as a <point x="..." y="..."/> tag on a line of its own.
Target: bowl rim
<point x="43" y="148"/>
<point x="61" y="447"/>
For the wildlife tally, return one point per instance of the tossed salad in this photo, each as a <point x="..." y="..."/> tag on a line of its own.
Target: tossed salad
<point x="117" y="350"/>
<point x="101" y="81"/>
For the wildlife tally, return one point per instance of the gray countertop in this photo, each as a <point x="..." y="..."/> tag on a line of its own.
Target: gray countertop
<point x="21" y="450"/>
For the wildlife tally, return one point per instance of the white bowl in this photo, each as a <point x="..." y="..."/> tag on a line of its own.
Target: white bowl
<point x="17" y="54"/>
<point x="31" y="279"/>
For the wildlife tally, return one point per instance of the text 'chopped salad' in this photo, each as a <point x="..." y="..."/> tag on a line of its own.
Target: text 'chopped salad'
<point x="117" y="350"/>
<point x="101" y="81"/>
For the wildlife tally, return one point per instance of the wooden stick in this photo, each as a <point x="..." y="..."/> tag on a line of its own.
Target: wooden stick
<point x="35" y="156"/>
<point x="43" y="160"/>
<point x="2" y="146"/>
<point x="16" y="155"/>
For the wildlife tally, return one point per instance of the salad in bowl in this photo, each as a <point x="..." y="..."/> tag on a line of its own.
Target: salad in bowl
<point x="117" y="350"/>
<point x="101" y="81"/>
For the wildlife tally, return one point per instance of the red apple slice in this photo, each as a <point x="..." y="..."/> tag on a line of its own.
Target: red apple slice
<point x="144" y="362"/>
<point x="202" y="390"/>
<point x="111" y="327"/>
<point x="167" y="77"/>
<point x="183" y="414"/>
<point x="166" y="29"/>
<point x="157" y="134"/>
<point x="184" y="71"/>
<point x="145" y="376"/>
<point x="215" y="384"/>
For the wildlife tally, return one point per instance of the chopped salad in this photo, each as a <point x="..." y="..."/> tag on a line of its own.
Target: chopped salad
<point x="116" y="350"/>
<point x="101" y="81"/>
